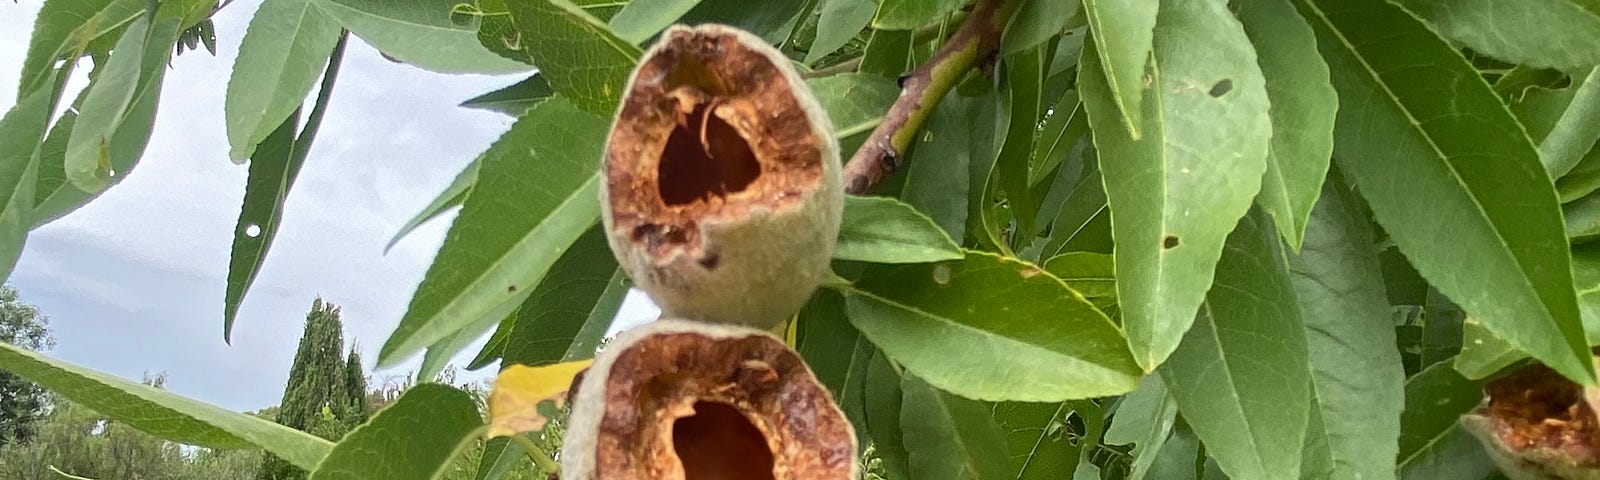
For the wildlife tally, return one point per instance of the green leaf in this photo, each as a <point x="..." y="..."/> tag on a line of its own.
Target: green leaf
<point x="839" y="356"/>
<point x="1066" y="130"/>
<point x="1482" y="352"/>
<point x="640" y="20"/>
<point x="1178" y="457"/>
<point x="161" y="413"/>
<point x="272" y="173"/>
<point x="888" y="53"/>
<point x="535" y="195"/>
<point x="1412" y="108"/>
<point x="1034" y="339"/>
<point x="1357" y="380"/>
<point x="1303" y="110"/>
<point x="1037" y="21"/>
<point x="1089" y="273"/>
<point x="87" y="163"/>
<point x="1024" y="101"/>
<point x="950" y="437"/>
<point x="1241" y="377"/>
<point x="416" y="437"/>
<point x="515" y="99"/>
<point x="911" y="14"/>
<point x="884" y="402"/>
<point x="284" y="49"/>
<point x="421" y="33"/>
<point x="581" y="285"/>
<point x="1039" y="439"/>
<point x="1539" y="108"/>
<point x="840" y="21"/>
<point x="1455" y="455"/>
<point x="1205" y="134"/>
<point x="1575" y="132"/>
<point x="884" y="230"/>
<point x="576" y="52"/>
<point x="937" y="177"/>
<point x="1084" y="222"/>
<point x="56" y="196"/>
<point x="1144" y="419"/>
<point x="64" y="29"/>
<point x="772" y="22"/>
<point x="452" y="196"/>
<point x="23" y="130"/>
<point x="1124" y="35"/>
<point x="1435" y="400"/>
<point x="1548" y="33"/>
<point x="855" y="102"/>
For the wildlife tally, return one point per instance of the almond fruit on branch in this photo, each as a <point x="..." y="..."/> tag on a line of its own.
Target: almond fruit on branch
<point x="722" y="193"/>
<point x="678" y="400"/>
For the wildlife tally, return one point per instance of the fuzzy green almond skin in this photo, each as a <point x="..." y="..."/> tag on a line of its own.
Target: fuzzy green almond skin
<point x="770" y="260"/>
<point x="589" y="403"/>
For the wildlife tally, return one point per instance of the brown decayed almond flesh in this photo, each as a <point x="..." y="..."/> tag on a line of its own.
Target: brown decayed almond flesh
<point x="681" y="400"/>
<point x="1537" y="424"/>
<point x="722" y="195"/>
<point x="708" y="129"/>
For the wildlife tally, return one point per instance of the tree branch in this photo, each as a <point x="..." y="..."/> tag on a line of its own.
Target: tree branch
<point x="922" y="89"/>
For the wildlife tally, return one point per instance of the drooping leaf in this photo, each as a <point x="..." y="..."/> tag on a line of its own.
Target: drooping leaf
<point x="638" y="21"/>
<point x="23" y="131"/>
<point x="1303" y="109"/>
<point x="65" y="29"/>
<point x="161" y="413"/>
<point x="1034" y="339"/>
<point x="911" y="14"/>
<point x="577" y="53"/>
<point x="515" y="99"/>
<point x="1435" y="400"/>
<point x="1356" y="376"/>
<point x="1412" y="108"/>
<point x="56" y="196"/>
<point x="855" y="102"/>
<point x="1205" y="134"/>
<point x="1144" y="419"/>
<point x="518" y="391"/>
<point x="1241" y="377"/>
<point x="285" y="47"/>
<point x="415" y="437"/>
<point x="884" y="230"/>
<point x="579" y="286"/>
<point x="535" y="195"/>
<point x="1066" y="130"/>
<point x="1038" y="437"/>
<point x="87" y="162"/>
<point x="950" y="437"/>
<point x="453" y="196"/>
<point x="1024" y="101"/>
<point x="421" y="33"/>
<point x="841" y="21"/>
<point x="1038" y="20"/>
<point x="1124" y="35"/>
<point x="1548" y="33"/>
<point x="272" y="173"/>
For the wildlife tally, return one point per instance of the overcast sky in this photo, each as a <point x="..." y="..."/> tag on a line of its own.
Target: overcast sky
<point x="134" y="281"/>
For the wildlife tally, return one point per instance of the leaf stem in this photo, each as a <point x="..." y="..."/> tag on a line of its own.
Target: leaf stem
<point x="975" y="41"/>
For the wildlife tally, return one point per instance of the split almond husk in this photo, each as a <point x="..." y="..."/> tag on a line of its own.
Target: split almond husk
<point x="722" y="194"/>
<point x="681" y="400"/>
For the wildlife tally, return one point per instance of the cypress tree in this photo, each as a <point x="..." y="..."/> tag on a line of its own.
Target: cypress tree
<point x="355" y="387"/>
<point x="317" y="379"/>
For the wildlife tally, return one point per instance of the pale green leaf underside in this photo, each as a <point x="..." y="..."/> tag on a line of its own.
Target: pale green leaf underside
<point x="884" y="230"/>
<point x="283" y="52"/>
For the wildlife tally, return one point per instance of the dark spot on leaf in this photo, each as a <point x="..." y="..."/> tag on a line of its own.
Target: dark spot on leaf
<point x="511" y="289"/>
<point x="1169" y="242"/>
<point x="1221" y="88"/>
<point x="710" y="261"/>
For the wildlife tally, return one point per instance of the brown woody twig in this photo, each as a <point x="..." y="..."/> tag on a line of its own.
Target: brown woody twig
<point x="921" y="90"/>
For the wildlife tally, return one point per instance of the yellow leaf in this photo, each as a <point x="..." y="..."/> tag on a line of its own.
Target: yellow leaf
<point x="518" y="391"/>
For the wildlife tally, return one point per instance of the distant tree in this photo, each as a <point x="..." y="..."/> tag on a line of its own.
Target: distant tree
<point x="321" y="396"/>
<point x="22" y="404"/>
